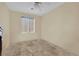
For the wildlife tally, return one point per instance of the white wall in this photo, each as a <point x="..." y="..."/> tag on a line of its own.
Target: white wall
<point x="61" y="27"/>
<point x="15" y="26"/>
<point x="4" y="21"/>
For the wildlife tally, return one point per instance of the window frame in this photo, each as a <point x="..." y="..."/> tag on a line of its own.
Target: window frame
<point x="28" y="27"/>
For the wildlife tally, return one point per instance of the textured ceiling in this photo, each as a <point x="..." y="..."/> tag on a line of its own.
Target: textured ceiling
<point x="26" y="7"/>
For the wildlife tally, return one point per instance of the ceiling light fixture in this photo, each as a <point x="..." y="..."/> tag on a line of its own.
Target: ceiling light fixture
<point x="37" y="6"/>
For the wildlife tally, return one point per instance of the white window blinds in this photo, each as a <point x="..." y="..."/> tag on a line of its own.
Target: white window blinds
<point x="28" y="24"/>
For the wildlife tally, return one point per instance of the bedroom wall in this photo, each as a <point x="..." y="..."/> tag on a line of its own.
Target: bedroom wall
<point x="15" y="26"/>
<point x="4" y="21"/>
<point x="61" y="27"/>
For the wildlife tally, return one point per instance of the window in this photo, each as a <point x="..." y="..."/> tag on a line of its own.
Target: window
<point x="28" y="24"/>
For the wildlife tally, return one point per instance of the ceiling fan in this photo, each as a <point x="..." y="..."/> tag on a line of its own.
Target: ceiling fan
<point x="37" y="5"/>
